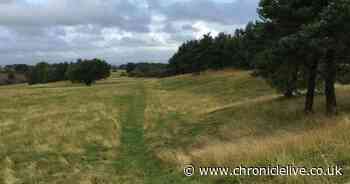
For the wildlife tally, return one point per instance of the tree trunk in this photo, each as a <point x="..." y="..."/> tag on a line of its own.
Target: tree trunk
<point x="292" y="84"/>
<point x="311" y="86"/>
<point x="330" y="77"/>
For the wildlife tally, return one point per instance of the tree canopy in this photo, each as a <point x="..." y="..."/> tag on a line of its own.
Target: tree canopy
<point x="83" y="71"/>
<point x="296" y="45"/>
<point x="88" y="71"/>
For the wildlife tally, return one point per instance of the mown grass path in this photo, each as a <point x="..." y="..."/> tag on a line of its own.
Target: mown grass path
<point x="137" y="163"/>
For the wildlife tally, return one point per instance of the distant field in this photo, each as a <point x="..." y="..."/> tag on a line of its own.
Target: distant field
<point x="125" y="130"/>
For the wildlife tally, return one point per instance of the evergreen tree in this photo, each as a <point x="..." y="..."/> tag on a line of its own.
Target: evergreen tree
<point x="333" y="28"/>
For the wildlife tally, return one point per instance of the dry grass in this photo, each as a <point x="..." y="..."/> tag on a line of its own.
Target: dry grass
<point x="243" y="103"/>
<point x="206" y="93"/>
<point x="191" y="120"/>
<point x="163" y="102"/>
<point x="60" y="133"/>
<point x="248" y="150"/>
<point x="64" y="133"/>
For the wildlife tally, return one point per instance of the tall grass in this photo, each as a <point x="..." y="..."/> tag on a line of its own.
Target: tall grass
<point x="69" y="133"/>
<point x="208" y="121"/>
<point x="59" y="133"/>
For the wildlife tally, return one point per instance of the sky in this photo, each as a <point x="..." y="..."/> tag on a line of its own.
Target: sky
<point x="118" y="31"/>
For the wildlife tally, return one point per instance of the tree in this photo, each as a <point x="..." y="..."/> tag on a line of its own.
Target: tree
<point x="57" y="72"/>
<point x="329" y="33"/>
<point x="215" y="53"/>
<point x="320" y="28"/>
<point x="39" y="74"/>
<point x="315" y="44"/>
<point x="287" y="18"/>
<point x="294" y="46"/>
<point x="310" y="52"/>
<point x="88" y="71"/>
<point x="334" y="28"/>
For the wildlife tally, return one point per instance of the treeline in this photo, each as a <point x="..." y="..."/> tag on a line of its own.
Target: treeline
<point x="216" y="53"/>
<point x="15" y="68"/>
<point x="296" y="46"/>
<point x="145" y="69"/>
<point x="44" y="72"/>
<point x="82" y="71"/>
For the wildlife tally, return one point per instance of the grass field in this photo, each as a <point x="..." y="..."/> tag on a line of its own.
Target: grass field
<point x="125" y="130"/>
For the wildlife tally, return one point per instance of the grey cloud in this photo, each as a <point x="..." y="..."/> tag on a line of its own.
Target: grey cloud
<point x="61" y="30"/>
<point x="188" y="27"/>
<point x="124" y="14"/>
<point x="235" y="12"/>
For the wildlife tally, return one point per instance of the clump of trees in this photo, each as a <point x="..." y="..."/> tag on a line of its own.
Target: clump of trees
<point x="44" y="72"/>
<point x="310" y="48"/>
<point x="88" y="71"/>
<point x="296" y="46"/>
<point x="39" y="74"/>
<point x="83" y="71"/>
<point x="210" y="53"/>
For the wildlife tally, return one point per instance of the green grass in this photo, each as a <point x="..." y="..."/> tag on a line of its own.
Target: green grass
<point x="229" y="86"/>
<point x="137" y="163"/>
<point x="143" y="131"/>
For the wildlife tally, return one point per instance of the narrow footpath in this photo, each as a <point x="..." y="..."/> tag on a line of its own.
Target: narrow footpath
<point x="137" y="163"/>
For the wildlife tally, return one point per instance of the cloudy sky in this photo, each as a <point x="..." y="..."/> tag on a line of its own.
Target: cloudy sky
<point x="116" y="30"/>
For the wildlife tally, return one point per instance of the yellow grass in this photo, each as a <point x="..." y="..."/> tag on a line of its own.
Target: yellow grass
<point x="188" y="123"/>
<point x="59" y="133"/>
<point x="279" y="146"/>
<point x="69" y="133"/>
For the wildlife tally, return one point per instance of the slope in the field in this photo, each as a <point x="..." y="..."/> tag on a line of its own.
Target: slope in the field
<point x="229" y="118"/>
